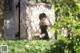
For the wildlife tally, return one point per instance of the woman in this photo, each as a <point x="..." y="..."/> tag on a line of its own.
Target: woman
<point x="44" y="23"/>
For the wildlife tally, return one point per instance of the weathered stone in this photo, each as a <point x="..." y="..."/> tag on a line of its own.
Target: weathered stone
<point x="29" y="19"/>
<point x="11" y="22"/>
<point x="33" y="15"/>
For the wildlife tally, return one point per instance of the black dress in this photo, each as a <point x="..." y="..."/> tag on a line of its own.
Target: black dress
<point x="44" y="31"/>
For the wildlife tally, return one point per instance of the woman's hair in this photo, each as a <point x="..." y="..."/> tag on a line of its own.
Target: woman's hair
<point x="42" y="15"/>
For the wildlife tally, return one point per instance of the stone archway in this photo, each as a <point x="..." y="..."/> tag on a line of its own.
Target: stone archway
<point x="30" y="18"/>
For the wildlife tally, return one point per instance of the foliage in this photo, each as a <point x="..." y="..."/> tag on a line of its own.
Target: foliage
<point x="26" y="46"/>
<point x="68" y="16"/>
<point x="66" y="8"/>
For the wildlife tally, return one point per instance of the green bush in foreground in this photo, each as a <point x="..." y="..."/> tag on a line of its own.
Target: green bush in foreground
<point x="26" y="46"/>
<point x="62" y="45"/>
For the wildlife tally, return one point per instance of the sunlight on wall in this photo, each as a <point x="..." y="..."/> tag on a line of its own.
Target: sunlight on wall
<point x="36" y="10"/>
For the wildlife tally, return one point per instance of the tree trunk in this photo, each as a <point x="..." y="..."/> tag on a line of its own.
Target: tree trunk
<point x="1" y="17"/>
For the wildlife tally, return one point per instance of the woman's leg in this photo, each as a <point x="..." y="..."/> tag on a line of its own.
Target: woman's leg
<point x="44" y="31"/>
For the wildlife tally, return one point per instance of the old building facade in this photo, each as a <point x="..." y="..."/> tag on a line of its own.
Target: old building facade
<point x="24" y="24"/>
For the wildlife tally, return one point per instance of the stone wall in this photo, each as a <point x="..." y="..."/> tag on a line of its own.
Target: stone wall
<point x="11" y="21"/>
<point x="30" y="18"/>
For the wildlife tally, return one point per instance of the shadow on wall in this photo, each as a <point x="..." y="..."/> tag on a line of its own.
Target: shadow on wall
<point x="10" y="19"/>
